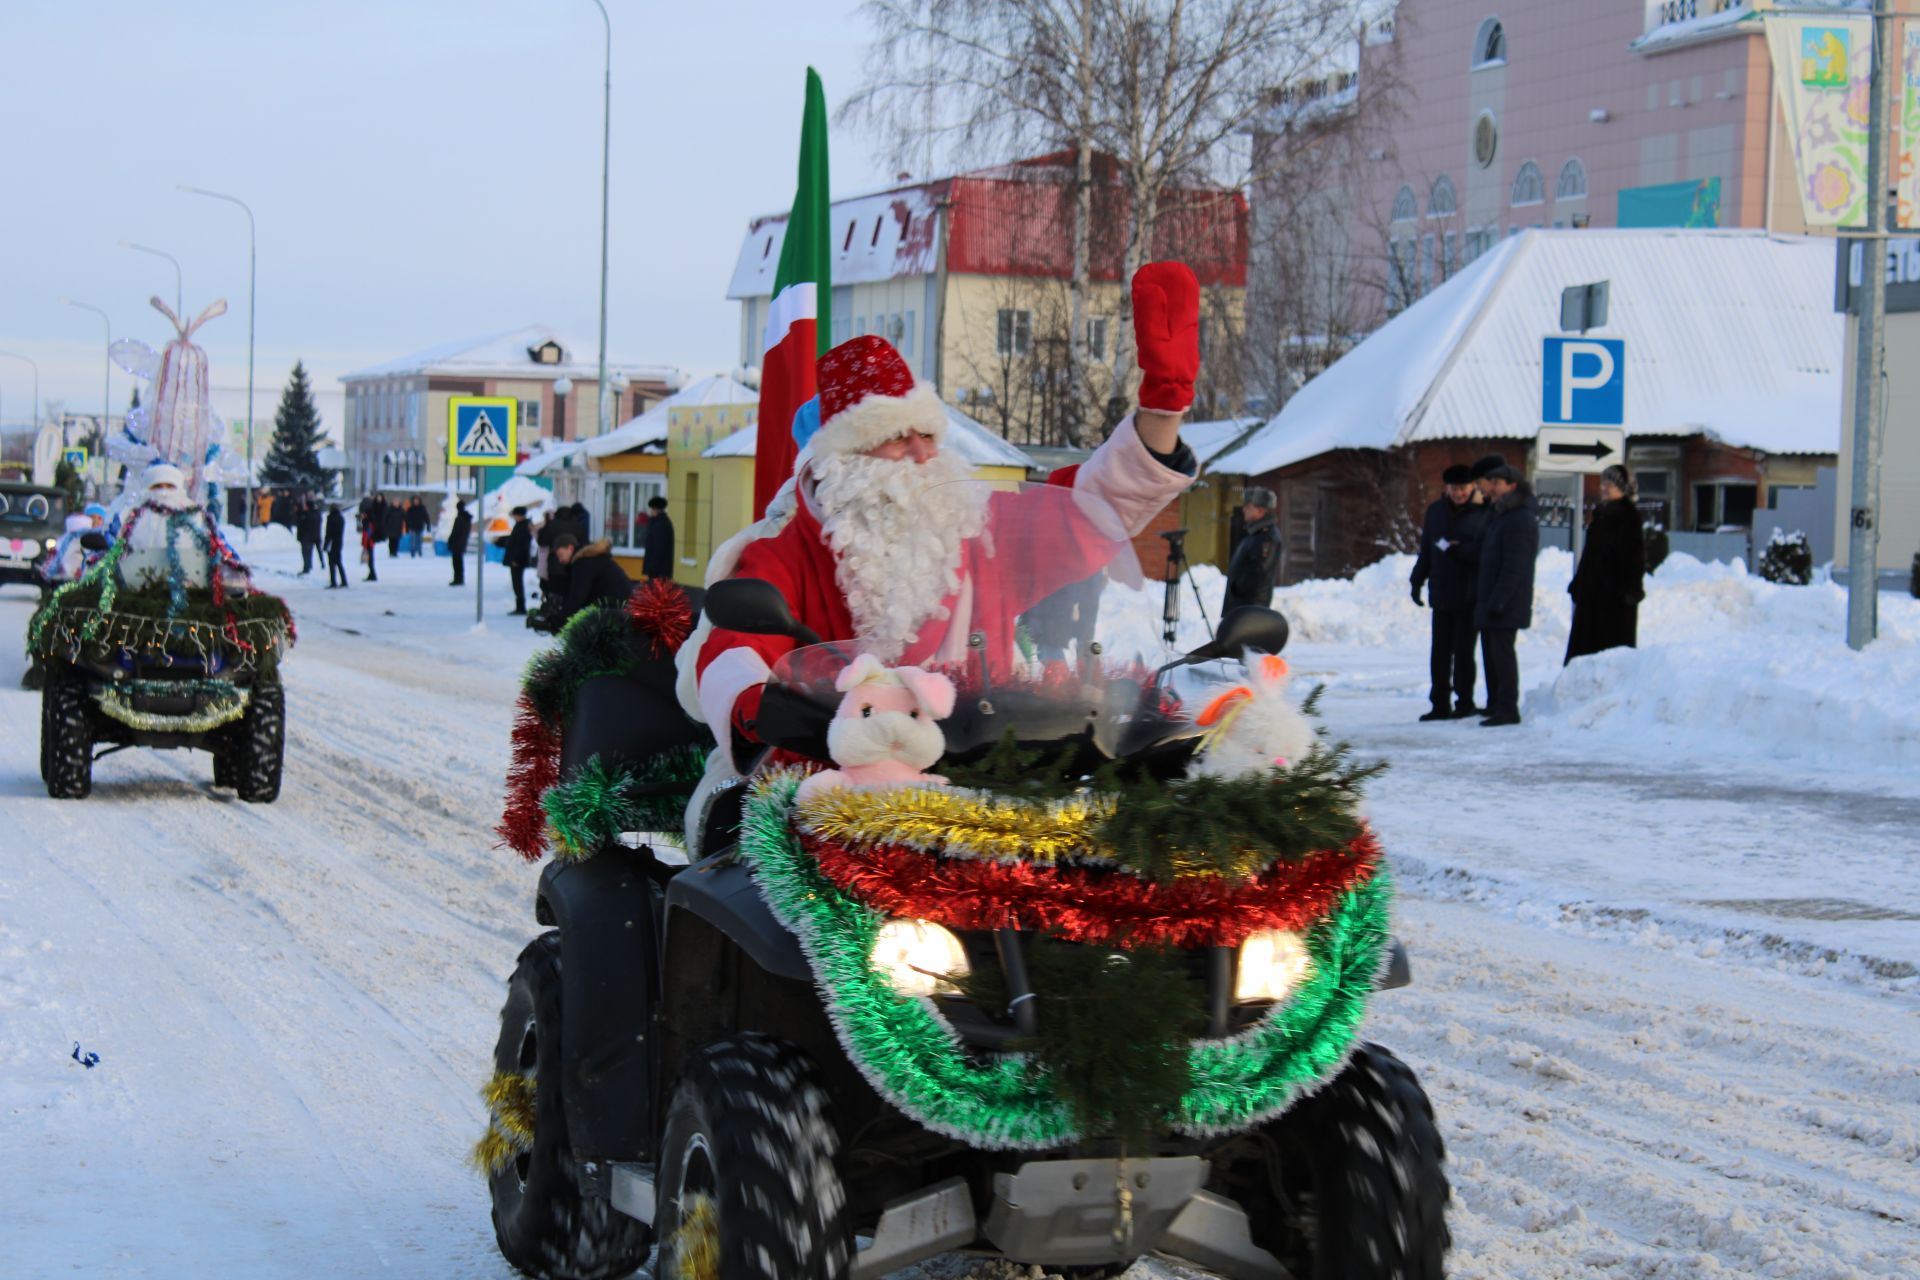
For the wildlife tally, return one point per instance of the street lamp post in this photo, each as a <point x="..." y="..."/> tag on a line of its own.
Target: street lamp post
<point x="178" y="310"/>
<point x="8" y="355"/>
<point x="605" y="407"/>
<point x="106" y="373"/>
<point x="247" y="522"/>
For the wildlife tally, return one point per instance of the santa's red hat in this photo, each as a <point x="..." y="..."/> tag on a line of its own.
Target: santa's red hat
<point x="868" y="397"/>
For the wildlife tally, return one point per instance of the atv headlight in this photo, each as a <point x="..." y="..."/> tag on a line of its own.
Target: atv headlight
<point x="1272" y="963"/>
<point x="916" y="956"/>
<point x="52" y="543"/>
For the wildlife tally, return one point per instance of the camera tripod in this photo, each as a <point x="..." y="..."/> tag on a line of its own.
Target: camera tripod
<point x="1177" y="566"/>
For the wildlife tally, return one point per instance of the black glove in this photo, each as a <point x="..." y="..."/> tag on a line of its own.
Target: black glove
<point x="1416" y="595"/>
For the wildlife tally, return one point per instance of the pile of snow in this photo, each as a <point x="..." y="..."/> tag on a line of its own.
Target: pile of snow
<point x="1374" y="608"/>
<point x="265" y="537"/>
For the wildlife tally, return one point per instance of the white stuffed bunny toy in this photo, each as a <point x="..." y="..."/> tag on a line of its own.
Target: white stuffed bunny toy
<point x="1253" y="726"/>
<point x="885" y="733"/>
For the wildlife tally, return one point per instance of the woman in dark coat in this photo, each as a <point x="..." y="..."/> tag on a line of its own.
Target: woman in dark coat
<point x="1607" y="588"/>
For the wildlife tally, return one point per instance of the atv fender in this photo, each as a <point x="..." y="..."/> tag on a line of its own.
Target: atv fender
<point x="604" y="907"/>
<point x="720" y="891"/>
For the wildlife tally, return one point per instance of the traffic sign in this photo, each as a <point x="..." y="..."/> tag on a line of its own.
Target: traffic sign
<point x="75" y="456"/>
<point x="1579" y="450"/>
<point x="480" y="431"/>
<point x="1583" y="382"/>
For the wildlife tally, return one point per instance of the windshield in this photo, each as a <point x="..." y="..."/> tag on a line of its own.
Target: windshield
<point x="1052" y="633"/>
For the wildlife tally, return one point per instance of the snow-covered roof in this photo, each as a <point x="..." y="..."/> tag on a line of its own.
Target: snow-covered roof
<point x="551" y="458"/>
<point x="976" y="444"/>
<point x="875" y="237"/>
<point x="1209" y="439"/>
<point x="651" y="426"/>
<point x="504" y="355"/>
<point x="1694" y="30"/>
<point x="1729" y="333"/>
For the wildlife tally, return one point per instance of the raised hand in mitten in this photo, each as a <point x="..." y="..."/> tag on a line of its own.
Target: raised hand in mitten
<point x="1166" y="329"/>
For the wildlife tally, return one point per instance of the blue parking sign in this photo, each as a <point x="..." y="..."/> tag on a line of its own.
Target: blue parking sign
<point x="1583" y="382"/>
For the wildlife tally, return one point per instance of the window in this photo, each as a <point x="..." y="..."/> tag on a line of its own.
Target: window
<point x="876" y="232"/>
<point x="1441" y="201"/>
<point x="859" y="326"/>
<point x="1572" y="183"/>
<point x="1405" y="207"/>
<point x="1528" y="186"/>
<point x="692" y="546"/>
<point x="530" y="419"/>
<point x="1490" y="45"/>
<point x="1723" y="504"/>
<point x="1013" y="334"/>
<point x="905" y="223"/>
<point x="617" y="508"/>
<point x="848" y="242"/>
<point x="1453" y="254"/>
<point x="1486" y="139"/>
<point x="1096" y="338"/>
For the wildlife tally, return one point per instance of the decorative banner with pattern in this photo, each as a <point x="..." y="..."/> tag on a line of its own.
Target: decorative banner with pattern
<point x="1822" y="67"/>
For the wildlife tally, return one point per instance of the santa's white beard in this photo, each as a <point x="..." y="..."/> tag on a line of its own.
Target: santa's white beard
<point x="897" y="529"/>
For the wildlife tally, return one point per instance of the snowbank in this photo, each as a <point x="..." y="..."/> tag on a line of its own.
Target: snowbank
<point x="265" y="537"/>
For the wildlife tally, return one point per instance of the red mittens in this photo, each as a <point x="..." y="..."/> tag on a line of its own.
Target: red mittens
<point x="1166" y="328"/>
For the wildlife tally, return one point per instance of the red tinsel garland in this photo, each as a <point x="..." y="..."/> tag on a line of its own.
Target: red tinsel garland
<point x="535" y="767"/>
<point x="661" y="612"/>
<point x="1093" y="906"/>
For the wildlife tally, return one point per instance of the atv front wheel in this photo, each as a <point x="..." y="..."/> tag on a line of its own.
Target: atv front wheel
<point x="748" y="1187"/>
<point x="1354" y="1185"/>
<point x="546" y="1223"/>
<point x="66" y="738"/>
<point x="259" y="746"/>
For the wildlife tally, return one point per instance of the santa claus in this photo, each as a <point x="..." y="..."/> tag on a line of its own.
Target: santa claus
<point x="872" y="539"/>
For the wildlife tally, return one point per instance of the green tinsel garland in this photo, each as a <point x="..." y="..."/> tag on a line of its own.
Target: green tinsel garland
<point x="595" y="642"/>
<point x="595" y="805"/>
<point x="913" y="1057"/>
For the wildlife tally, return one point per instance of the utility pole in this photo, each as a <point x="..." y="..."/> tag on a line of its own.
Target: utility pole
<point x="1869" y="363"/>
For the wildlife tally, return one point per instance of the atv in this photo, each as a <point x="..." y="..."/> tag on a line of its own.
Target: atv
<point x="152" y="668"/>
<point x="32" y="518"/>
<point x="1084" y="998"/>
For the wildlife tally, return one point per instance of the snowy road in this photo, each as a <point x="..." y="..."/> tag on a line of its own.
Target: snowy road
<point x="1667" y="1009"/>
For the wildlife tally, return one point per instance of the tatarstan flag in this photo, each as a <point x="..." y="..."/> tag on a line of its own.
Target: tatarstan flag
<point x="795" y="338"/>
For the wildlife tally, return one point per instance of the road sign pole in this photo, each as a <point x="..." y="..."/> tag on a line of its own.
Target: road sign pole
<point x="479" y="569"/>
<point x="1578" y="540"/>
<point x="1869" y="360"/>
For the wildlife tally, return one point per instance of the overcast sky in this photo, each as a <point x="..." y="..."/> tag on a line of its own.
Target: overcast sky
<point x="421" y="171"/>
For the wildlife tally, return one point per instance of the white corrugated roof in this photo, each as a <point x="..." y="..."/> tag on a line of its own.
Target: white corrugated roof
<point x="976" y="444"/>
<point x="878" y="237"/>
<point x="505" y="355"/>
<point x="651" y="426"/>
<point x="1209" y="439"/>
<point x="1729" y="333"/>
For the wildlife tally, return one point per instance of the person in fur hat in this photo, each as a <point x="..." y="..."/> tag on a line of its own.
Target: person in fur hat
<point x="871" y="538"/>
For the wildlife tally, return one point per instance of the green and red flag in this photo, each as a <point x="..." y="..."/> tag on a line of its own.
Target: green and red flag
<point x="795" y="337"/>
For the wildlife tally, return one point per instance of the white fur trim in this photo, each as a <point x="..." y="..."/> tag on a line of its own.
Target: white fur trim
<point x="686" y="683"/>
<point x="1122" y="472"/>
<point x="727" y="677"/>
<point x="878" y="419"/>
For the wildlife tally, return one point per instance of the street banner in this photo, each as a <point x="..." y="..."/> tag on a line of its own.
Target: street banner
<point x="1822" y="67"/>
<point x="795" y="335"/>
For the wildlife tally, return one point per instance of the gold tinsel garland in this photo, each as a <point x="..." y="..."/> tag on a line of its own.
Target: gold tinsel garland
<point x="114" y="703"/>
<point x="509" y="1097"/>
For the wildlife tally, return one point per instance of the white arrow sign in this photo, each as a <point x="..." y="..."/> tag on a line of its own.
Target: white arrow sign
<point x="1579" y="450"/>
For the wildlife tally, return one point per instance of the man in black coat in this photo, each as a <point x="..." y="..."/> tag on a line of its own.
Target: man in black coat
<point x="1449" y="567"/>
<point x="336" y="547"/>
<point x="592" y="575"/>
<point x="416" y="526"/>
<point x="517" y="554"/>
<point x="457" y="541"/>
<point x="1256" y="561"/>
<point x="658" y="562"/>
<point x="307" y="525"/>
<point x="1504" y="605"/>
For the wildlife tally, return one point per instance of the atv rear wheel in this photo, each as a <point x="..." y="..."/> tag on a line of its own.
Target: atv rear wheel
<point x="1355" y="1185"/>
<point x="748" y="1188"/>
<point x="546" y="1223"/>
<point x="259" y="745"/>
<point x="66" y="738"/>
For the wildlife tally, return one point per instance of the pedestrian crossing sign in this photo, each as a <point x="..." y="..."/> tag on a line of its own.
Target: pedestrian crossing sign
<point x="480" y="431"/>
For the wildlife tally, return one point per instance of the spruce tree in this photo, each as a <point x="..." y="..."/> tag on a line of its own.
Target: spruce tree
<point x="292" y="462"/>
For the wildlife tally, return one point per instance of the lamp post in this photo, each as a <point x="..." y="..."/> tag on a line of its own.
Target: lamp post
<point x="605" y="407"/>
<point x="247" y="522"/>
<point x="8" y="355"/>
<point x="178" y="310"/>
<point x="106" y="373"/>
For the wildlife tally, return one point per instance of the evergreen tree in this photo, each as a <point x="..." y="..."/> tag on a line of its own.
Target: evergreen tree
<point x="292" y="461"/>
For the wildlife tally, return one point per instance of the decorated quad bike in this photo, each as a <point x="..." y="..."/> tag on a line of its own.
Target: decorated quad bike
<point x="1038" y="943"/>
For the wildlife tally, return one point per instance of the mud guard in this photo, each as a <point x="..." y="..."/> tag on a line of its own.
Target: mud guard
<point x="720" y="891"/>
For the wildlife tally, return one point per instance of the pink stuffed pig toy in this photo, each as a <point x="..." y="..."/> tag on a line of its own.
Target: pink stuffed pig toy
<point x="885" y="732"/>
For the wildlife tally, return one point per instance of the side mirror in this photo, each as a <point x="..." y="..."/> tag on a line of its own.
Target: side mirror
<point x="94" y="540"/>
<point x="755" y="606"/>
<point x="1251" y="626"/>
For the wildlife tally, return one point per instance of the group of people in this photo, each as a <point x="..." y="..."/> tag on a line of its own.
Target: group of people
<point x="322" y="536"/>
<point x="575" y="571"/>
<point x="1478" y="546"/>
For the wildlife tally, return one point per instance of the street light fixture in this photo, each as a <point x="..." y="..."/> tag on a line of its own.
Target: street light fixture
<point x="9" y="355"/>
<point x="178" y="310"/>
<point x="106" y="376"/>
<point x="605" y="407"/>
<point x="247" y="513"/>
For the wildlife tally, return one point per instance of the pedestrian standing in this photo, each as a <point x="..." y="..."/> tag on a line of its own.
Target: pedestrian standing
<point x="335" y="544"/>
<point x="1609" y="583"/>
<point x="394" y="529"/>
<point x="1256" y="561"/>
<point x="658" y="561"/>
<point x="517" y="555"/>
<point x="416" y="526"/>
<point x="1503" y="607"/>
<point x="457" y="541"/>
<point x="307" y="525"/>
<point x="1448" y="568"/>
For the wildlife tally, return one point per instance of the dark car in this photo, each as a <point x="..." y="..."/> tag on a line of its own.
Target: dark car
<point x="32" y="518"/>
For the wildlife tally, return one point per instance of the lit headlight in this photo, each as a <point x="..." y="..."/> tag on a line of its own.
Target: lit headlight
<point x="916" y="956"/>
<point x="52" y="543"/>
<point x="1272" y="964"/>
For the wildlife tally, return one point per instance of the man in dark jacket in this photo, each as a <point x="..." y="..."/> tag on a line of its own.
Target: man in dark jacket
<point x="336" y="546"/>
<point x="1256" y="561"/>
<point x="307" y="525"/>
<point x="659" y="547"/>
<point x="517" y="554"/>
<point x="394" y="528"/>
<point x="592" y="575"/>
<point x="457" y="541"/>
<point x="416" y="526"/>
<point x="1504" y="605"/>
<point x="1449" y="567"/>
